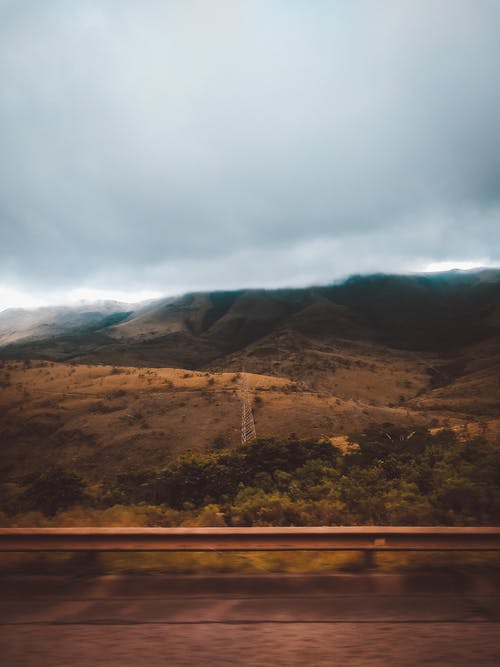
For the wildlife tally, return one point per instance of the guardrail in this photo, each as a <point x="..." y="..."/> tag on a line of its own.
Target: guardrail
<point x="323" y="538"/>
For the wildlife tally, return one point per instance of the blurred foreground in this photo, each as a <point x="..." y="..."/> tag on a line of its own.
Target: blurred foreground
<point x="258" y="562"/>
<point x="368" y="619"/>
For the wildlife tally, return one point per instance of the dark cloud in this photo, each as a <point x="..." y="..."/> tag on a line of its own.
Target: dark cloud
<point x="190" y="143"/>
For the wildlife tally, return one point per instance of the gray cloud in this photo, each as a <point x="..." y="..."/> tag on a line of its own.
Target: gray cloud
<point x="180" y="144"/>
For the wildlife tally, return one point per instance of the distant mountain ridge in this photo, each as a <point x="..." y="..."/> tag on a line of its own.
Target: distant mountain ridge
<point x="438" y="313"/>
<point x="18" y="324"/>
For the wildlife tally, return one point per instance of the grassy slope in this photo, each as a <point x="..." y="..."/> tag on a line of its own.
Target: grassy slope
<point x="100" y="420"/>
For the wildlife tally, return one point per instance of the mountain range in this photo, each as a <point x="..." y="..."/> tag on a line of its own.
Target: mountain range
<point x="437" y="313"/>
<point x="111" y="384"/>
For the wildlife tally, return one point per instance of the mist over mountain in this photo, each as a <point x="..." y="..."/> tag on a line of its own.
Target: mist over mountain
<point x="435" y="313"/>
<point x="18" y="324"/>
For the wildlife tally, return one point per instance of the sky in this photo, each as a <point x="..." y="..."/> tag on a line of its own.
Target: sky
<point x="154" y="147"/>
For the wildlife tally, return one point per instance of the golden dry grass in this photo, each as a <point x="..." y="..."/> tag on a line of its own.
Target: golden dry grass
<point x="99" y="420"/>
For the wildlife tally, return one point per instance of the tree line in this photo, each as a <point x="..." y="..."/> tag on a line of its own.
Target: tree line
<point x="392" y="476"/>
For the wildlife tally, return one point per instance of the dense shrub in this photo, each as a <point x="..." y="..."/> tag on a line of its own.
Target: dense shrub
<point x="394" y="476"/>
<point x="53" y="490"/>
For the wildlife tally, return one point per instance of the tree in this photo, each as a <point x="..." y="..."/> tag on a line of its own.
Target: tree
<point x="53" y="490"/>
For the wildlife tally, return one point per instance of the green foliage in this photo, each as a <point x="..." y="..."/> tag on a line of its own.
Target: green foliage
<point x="418" y="478"/>
<point x="217" y="477"/>
<point x="395" y="476"/>
<point x="52" y="491"/>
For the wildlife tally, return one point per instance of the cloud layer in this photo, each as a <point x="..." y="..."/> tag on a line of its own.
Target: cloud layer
<point x="190" y="143"/>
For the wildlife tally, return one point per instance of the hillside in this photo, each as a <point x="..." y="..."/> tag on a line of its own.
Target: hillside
<point x="97" y="419"/>
<point x="122" y="389"/>
<point x="438" y="314"/>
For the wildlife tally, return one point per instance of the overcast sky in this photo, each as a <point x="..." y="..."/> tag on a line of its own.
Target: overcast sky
<point x="148" y="148"/>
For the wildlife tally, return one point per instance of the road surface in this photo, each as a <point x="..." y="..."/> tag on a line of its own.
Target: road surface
<point x="351" y="619"/>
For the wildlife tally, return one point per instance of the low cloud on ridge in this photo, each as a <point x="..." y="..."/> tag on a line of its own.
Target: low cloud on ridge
<point x="163" y="146"/>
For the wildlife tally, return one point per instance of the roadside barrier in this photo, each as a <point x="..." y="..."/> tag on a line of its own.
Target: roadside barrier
<point x="321" y="538"/>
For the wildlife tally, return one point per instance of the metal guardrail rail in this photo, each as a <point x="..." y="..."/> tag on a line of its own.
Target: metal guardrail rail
<point x="323" y="538"/>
